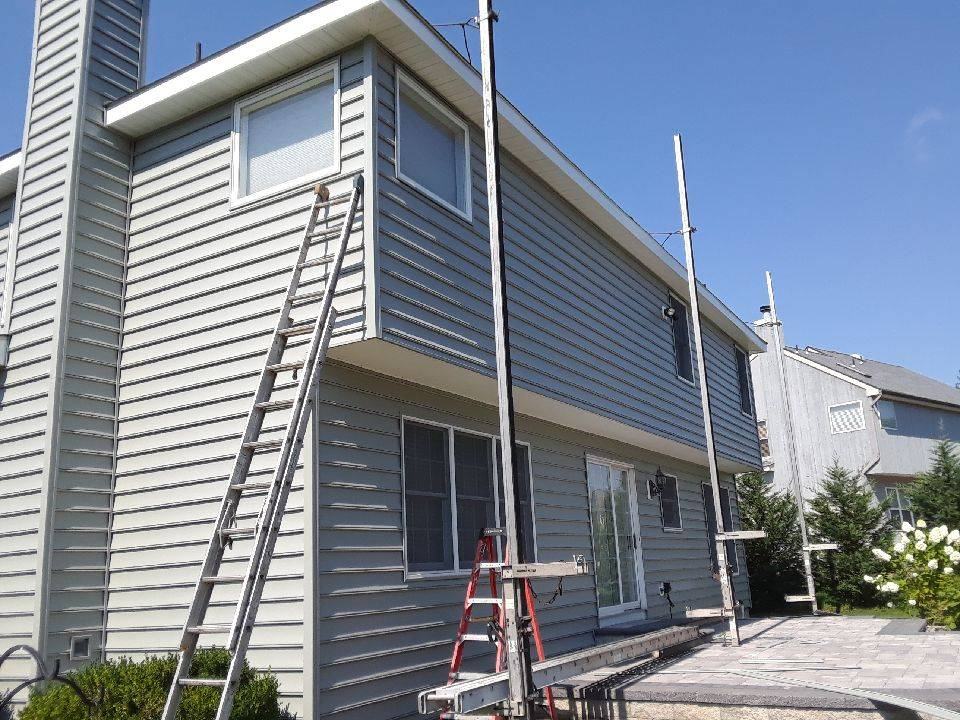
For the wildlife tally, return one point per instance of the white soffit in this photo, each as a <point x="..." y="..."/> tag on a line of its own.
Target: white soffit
<point x="9" y="172"/>
<point x="324" y="30"/>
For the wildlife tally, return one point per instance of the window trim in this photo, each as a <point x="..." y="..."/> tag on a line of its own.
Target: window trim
<point x="679" y="509"/>
<point x="450" y="430"/>
<point x="863" y="419"/>
<point x="737" y="350"/>
<point x="267" y="96"/>
<point x="77" y="656"/>
<point x="676" y="365"/>
<point x="404" y="77"/>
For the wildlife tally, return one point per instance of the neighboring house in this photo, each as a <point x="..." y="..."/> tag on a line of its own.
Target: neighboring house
<point x="151" y="231"/>
<point x="876" y="419"/>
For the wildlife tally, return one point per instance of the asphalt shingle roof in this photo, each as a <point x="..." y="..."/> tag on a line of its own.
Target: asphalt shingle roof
<point x="888" y="378"/>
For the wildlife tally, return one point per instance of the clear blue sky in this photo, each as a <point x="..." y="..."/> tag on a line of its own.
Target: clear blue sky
<point x="822" y="139"/>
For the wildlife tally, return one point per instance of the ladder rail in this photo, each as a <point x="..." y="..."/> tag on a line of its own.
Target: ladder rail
<point x="273" y="507"/>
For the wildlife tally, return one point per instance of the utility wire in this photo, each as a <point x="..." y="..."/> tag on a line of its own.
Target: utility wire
<point x="470" y="22"/>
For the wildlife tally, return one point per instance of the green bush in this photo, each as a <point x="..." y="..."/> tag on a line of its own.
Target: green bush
<point x="129" y="690"/>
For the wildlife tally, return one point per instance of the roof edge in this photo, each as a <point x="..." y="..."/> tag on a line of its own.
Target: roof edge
<point x="10" y="172"/>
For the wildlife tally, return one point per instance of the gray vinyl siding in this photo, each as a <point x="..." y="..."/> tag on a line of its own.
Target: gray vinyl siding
<point x="66" y="256"/>
<point x="204" y="287"/>
<point x="907" y="450"/>
<point x="586" y="323"/>
<point x="382" y="636"/>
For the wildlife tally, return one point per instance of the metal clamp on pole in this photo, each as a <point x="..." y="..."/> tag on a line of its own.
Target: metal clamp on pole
<point x="741" y="535"/>
<point x="577" y="566"/>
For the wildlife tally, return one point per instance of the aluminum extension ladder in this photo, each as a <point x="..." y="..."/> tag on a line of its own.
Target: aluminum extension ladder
<point x="265" y="532"/>
<point x="485" y="559"/>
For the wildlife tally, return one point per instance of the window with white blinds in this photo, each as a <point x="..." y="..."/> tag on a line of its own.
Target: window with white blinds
<point x="846" y="417"/>
<point x="287" y="135"/>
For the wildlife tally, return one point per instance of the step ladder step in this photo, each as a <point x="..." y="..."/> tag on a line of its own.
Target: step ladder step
<point x="275" y="404"/>
<point x="263" y="444"/>
<point x="221" y="579"/>
<point x="491" y="566"/>
<point x="204" y="629"/>
<point x="474" y="637"/>
<point x="798" y="598"/>
<point x="301" y="329"/>
<point x="303" y="297"/>
<point x="238" y="532"/>
<point x="259" y="485"/>
<point x="470" y="675"/>
<point x="283" y="367"/>
<point x="485" y="601"/>
<point x="203" y="682"/>
<point x="316" y="262"/>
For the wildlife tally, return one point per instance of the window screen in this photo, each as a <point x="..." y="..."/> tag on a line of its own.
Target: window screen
<point x="888" y="414"/>
<point x="431" y="148"/>
<point x="427" y="498"/>
<point x="287" y="137"/>
<point x="681" y="340"/>
<point x="473" y="471"/>
<point x="670" y="504"/>
<point x="521" y="475"/>
<point x="711" y="516"/>
<point x="743" y="379"/>
<point x="846" y="418"/>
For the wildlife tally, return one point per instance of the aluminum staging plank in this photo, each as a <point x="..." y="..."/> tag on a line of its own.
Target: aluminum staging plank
<point x="470" y="695"/>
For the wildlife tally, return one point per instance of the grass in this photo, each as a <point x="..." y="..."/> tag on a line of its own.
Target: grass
<point x="881" y="611"/>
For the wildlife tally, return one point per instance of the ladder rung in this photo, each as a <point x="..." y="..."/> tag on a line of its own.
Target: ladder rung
<point x="798" y="598"/>
<point x="275" y="404"/>
<point x="469" y="675"/>
<point x="281" y="367"/>
<point x="312" y="295"/>
<point x="235" y="532"/>
<point x="210" y="682"/>
<point x="261" y="485"/>
<point x="221" y="579"/>
<point x="201" y="629"/>
<point x="263" y="444"/>
<point x="474" y="637"/>
<point x="302" y="329"/>
<point x="485" y="601"/>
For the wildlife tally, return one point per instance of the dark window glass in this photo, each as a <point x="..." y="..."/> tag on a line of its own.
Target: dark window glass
<point x="711" y="515"/>
<point x="681" y="340"/>
<point x="475" y="502"/>
<point x="670" y="504"/>
<point x="521" y="475"/>
<point x="743" y="377"/>
<point x="427" y="497"/>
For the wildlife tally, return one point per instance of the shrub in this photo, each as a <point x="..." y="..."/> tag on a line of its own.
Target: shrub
<point x="921" y="571"/>
<point x="935" y="494"/>
<point x="125" y="689"/>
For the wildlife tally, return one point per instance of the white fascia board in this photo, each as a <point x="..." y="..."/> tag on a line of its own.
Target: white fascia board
<point x="9" y="172"/>
<point x="405" y="33"/>
<point x="870" y="389"/>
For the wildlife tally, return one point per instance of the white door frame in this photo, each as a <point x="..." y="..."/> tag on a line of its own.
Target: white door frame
<point x="641" y="602"/>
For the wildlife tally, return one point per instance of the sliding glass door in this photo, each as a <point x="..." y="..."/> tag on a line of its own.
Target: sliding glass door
<point x="616" y="540"/>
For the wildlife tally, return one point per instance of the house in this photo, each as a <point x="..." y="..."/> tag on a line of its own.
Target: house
<point x="873" y="418"/>
<point x="149" y="231"/>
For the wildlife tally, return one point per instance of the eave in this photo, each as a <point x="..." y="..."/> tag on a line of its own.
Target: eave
<point x="9" y="172"/>
<point x="324" y="30"/>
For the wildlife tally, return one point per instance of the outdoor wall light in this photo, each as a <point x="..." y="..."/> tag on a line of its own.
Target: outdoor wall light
<point x="657" y="482"/>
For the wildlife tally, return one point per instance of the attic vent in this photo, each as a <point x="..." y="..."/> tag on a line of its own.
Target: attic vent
<point x="846" y="417"/>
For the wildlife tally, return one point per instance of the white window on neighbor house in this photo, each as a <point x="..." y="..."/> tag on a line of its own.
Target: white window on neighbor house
<point x="764" y="443"/>
<point x="287" y="135"/>
<point x="452" y="490"/>
<point x="887" y="412"/>
<point x="743" y="381"/>
<point x="846" y="417"/>
<point x="433" y="147"/>
<point x="681" y="340"/>
<point x="899" y="510"/>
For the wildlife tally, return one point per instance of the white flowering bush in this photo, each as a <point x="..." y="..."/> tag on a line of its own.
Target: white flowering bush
<point x="921" y="571"/>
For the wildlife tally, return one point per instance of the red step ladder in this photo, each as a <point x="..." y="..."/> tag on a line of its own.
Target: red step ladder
<point x="485" y="559"/>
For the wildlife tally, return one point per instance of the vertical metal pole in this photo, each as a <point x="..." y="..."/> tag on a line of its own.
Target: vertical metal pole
<point x="794" y="465"/>
<point x="726" y="584"/>
<point x="518" y="650"/>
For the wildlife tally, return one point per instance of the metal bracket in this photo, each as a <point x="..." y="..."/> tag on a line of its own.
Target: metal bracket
<point x="797" y="598"/>
<point x="820" y="546"/>
<point x="741" y="535"/>
<point x="710" y="612"/>
<point x="578" y="566"/>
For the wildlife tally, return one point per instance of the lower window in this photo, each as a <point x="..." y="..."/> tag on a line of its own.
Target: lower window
<point x="900" y="511"/>
<point x="452" y="490"/>
<point x="709" y="510"/>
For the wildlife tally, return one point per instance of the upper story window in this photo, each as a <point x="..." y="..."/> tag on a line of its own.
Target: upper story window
<point x="287" y="135"/>
<point x="433" y="147"/>
<point x="743" y="379"/>
<point x="451" y="492"/>
<point x="670" y="504"/>
<point x="888" y="414"/>
<point x="681" y="340"/>
<point x="846" y="417"/>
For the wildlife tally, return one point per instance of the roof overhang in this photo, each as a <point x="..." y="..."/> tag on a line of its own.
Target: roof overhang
<point x="326" y="29"/>
<point x="9" y="172"/>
